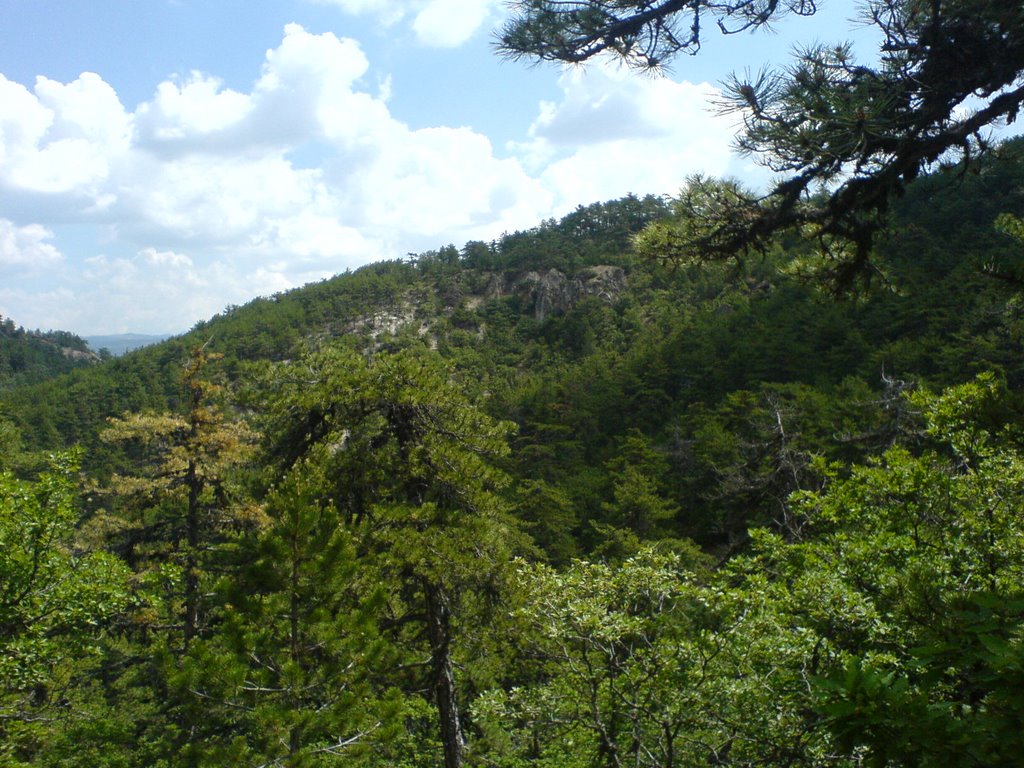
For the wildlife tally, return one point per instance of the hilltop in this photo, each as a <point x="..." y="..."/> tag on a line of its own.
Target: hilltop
<point x="549" y="499"/>
<point x="27" y="357"/>
<point x="586" y="347"/>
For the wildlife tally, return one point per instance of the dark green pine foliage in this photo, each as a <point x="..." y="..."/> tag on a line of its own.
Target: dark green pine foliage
<point x="27" y="357"/>
<point x="845" y="136"/>
<point x="297" y="673"/>
<point x="408" y="467"/>
<point x="361" y="604"/>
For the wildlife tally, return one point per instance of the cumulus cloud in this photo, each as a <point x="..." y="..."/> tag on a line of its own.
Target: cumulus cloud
<point x="169" y="258"/>
<point x="207" y="171"/>
<point x="450" y="23"/>
<point x="613" y="133"/>
<point x="201" y="201"/>
<point x="195" y="107"/>
<point x="26" y="249"/>
<point x="23" y="121"/>
<point x="49" y="307"/>
<point x="437" y="23"/>
<point x="62" y="137"/>
<point x="182" y="289"/>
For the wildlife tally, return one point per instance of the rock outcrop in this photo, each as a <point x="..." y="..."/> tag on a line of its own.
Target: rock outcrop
<point x="549" y="292"/>
<point x="79" y="356"/>
<point x="552" y="292"/>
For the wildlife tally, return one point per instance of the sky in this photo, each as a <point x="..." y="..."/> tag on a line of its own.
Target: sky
<point x="163" y="159"/>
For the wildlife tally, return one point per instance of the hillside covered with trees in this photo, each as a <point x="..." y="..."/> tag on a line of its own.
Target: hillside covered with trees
<point x="30" y="356"/>
<point x="562" y="499"/>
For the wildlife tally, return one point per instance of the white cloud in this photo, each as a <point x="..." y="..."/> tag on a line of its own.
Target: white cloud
<point x="313" y="238"/>
<point x="146" y="289"/>
<point x="87" y="108"/>
<point x="215" y="199"/>
<point x="50" y="309"/>
<point x="614" y="132"/>
<point x="26" y="248"/>
<point x="442" y="180"/>
<point x="202" y="202"/>
<point x="450" y="23"/>
<point x="23" y="122"/>
<point x="63" y="138"/>
<point x="169" y="258"/>
<point x="388" y="12"/>
<point x="205" y="170"/>
<point x="437" y="23"/>
<point x="195" y="107"/>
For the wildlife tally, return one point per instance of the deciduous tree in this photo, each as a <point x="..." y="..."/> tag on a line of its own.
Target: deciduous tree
<point x="54" y="600"/>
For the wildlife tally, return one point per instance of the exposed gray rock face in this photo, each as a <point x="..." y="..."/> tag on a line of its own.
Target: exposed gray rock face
<point x="553" y="292"/>
<point x="78" y="355"/>
<point x="604" y="282"/>
<point x="388" y="322"/>
<point x="496" y="287"/>
<point x="549" y="291"/>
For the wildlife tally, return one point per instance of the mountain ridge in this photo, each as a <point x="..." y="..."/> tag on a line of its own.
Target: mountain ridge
<point x="119" y="343"/>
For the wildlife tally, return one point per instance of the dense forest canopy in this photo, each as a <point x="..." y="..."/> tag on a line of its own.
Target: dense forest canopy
<point x="30" y="356"/>
<point x="560" y="499"/>
<point x="583" y="496"/>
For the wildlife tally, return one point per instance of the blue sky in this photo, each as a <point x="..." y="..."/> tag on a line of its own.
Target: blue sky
<point x="162" y="159"/>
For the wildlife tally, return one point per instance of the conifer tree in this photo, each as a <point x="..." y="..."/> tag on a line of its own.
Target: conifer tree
<point x="410" y="467"/>
<point x="845" y="136"/>
<point x="293" y="675"/>
<point x="176" y="500"/>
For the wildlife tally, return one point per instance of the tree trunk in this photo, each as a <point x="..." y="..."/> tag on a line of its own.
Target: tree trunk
<point x="443" y="673"/>
<point x="192" y="554"/>
<point x="294" y="650"/>
<point x="194" y="482"/>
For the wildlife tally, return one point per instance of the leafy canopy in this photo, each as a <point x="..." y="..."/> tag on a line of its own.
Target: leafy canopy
<point x="54" y="597"/>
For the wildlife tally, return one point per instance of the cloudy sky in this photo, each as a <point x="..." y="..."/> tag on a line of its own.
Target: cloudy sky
<point x="161" y="159"/>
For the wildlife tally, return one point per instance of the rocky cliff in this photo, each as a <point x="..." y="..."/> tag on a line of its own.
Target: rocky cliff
<point x="552" y="292"/>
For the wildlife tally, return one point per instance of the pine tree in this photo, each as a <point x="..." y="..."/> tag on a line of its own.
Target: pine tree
<point x="845" y="136"/>
<point x="177" y="500"/>
<point x="410" y="464"/>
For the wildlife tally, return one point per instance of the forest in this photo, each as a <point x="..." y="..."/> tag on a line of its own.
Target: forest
<point x="552" y="500"/>
<point x="732" y="478"/>
<point x="30" y="356"/>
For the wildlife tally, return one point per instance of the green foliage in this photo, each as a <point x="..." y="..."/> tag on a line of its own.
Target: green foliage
<point x="55" y="600"/>
<point x="886" y="630"/>
<point x="292" y="677"/>
<point x="352" y="588"/>
<point x="648" y="663"/>
<point x="168" y="510"/>
<point x="27" y="357"/>
<point x="845" y="136"/>
<point x="11" y="455"/>
<point x="932" y="544"/>
<point x="406" y="463"/>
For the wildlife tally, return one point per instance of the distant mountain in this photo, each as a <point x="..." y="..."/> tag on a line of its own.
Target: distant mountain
<point x="119" y="343"/>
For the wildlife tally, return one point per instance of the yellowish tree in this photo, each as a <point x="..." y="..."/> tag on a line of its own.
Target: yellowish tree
<point x="175" y="500"/>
